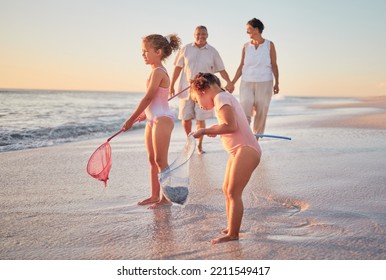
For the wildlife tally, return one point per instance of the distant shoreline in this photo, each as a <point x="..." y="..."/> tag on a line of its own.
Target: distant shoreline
<point x="376" y="120"/>
<point x="67" y="90"/>
<point x="361" y="98"/>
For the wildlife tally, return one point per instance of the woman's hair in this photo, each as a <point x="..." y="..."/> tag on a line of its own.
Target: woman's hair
<point x="256" y="23"/>
<point x="203" y="81"/>
<point x="167" y="44"/>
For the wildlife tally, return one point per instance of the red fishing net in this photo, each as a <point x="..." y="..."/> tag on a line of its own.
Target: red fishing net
<point x="99" y="164"/>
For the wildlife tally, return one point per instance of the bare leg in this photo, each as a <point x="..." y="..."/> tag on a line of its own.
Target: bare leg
<point x="240" y="171"/>
<point x="155" y="187"/>
<point x="161" y="134"/>
<point x="200" y="124"/>
<point x="225" y="191"/>
<point x="187" y="125"/>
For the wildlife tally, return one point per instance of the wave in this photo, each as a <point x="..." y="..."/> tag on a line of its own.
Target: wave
<point x="39" y="118"/>
<point x="47" y="136"/>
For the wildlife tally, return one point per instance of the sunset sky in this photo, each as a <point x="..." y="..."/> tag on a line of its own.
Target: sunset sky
<point x="324" y="48"/>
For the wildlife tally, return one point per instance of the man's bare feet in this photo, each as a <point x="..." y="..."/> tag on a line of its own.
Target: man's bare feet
<point x="149" y="200"/>
<point x="225" y="231"/>
<point x="199" y="150"/>
<point x="225" y="238"/>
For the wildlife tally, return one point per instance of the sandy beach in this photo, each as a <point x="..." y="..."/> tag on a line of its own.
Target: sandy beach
<point x="321" y="195"/>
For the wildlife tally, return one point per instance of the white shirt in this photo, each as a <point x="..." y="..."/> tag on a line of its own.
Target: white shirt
<point x="257" y="63"/>
<point x="193" y="60"/>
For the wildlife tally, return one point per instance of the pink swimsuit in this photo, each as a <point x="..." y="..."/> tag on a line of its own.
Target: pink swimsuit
<point x="243" y="136"/>
<point x="159" y="106"/>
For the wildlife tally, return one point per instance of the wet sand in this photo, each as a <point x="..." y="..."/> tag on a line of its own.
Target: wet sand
<point x="321" y="195"/>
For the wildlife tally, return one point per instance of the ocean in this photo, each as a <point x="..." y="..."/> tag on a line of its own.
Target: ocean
<point x="40" y="118"/>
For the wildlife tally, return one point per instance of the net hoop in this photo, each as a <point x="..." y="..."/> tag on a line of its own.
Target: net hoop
<point x="102" y="174"/>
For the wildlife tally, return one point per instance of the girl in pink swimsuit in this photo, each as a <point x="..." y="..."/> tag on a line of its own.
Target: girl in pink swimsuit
<point x="159" y="106"/>
<point x="238" y="140"/>
<point x="154" y="106"/>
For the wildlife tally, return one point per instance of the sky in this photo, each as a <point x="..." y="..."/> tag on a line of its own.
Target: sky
<point x="324" y="48"/>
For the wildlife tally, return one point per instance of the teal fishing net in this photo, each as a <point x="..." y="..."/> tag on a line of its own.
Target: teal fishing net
<point x="174" y="180"/>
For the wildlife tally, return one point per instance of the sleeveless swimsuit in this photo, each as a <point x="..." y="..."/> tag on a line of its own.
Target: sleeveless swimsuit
<point x="159" y="106"/>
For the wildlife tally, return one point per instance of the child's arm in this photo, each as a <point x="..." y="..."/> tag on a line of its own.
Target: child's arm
<point x="227" y="123"/>
<point x="154" y="83"/>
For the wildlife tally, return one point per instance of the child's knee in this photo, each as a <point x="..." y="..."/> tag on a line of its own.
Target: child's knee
<point x="232" y="194"/>
<point x="224" y="189"/>
<point x="160" y="162"/>
<point x="151" y="159"/>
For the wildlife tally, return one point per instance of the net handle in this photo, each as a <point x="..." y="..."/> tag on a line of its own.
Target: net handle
<point x="108" y="140"/>
<point x="178" y="93"/>
<point x="120" y="131"/>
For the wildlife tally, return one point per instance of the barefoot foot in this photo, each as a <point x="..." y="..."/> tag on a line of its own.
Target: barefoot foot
<point x="199" y="150"/>
<point x="149" y="200"/>
<point x="163" y="202"/>
<point x="225" y="238"/>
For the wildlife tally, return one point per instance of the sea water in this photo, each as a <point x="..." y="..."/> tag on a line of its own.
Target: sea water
<point x="39" y="118"/>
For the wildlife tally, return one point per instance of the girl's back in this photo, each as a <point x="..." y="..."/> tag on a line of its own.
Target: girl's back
<point x="243" y="135"/>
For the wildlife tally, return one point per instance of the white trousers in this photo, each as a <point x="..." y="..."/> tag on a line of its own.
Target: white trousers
<point x="257" y="96"/>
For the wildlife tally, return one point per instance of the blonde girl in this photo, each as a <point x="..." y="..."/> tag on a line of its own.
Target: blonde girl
<point x="238" y="140"/>
<point x="154" y="107"/>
